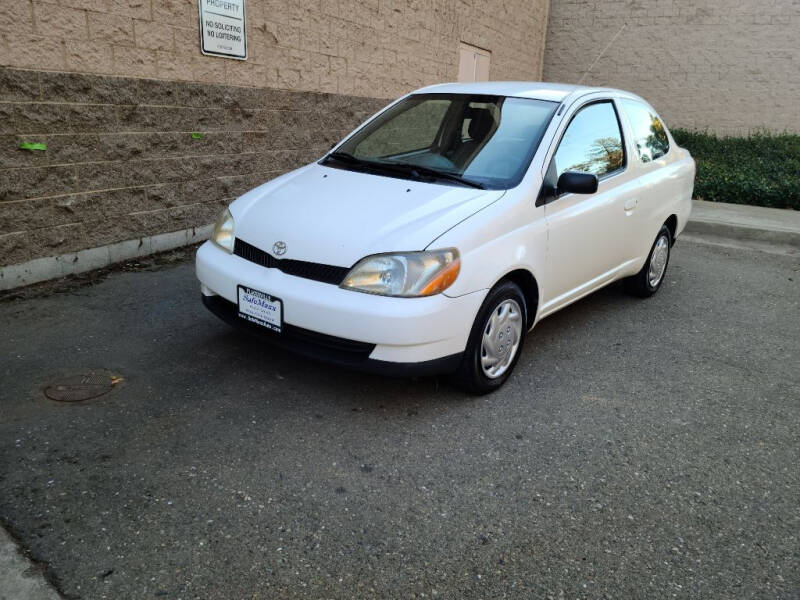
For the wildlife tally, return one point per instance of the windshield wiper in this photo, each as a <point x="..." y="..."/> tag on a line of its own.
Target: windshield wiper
<point x="348" y="158"/>
<point x="406" y="168"/>
<point x="417" y="170"/>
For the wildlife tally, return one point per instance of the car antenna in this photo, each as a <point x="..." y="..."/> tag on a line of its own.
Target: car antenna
<point x="599" y="56"/>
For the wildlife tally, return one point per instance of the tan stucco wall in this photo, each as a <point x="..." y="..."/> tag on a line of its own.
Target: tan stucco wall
<point x="375" y="48"/>
<point x="724" y="65"/>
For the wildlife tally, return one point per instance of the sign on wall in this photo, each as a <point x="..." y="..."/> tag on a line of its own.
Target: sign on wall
<point x="223" y="28"/>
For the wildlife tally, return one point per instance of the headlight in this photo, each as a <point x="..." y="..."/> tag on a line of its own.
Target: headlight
<point x="222" y="235"/>
<point x="407" y="274"/>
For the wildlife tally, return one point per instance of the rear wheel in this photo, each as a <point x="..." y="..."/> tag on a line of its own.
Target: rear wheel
<point x="495" y="341"/>
<point x="647" y="281"/>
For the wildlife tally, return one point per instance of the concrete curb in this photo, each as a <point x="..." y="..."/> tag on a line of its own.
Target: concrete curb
<point x="53" y="267"/>
<point x="742" y="232"/>
<point x="748" y="223"/>
<point x="19" y="578"/>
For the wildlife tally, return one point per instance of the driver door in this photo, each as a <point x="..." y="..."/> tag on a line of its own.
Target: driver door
<point x="588" y="233"/>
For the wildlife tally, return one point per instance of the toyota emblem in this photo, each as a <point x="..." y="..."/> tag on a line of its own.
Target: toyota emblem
<point x="279" y="248"/>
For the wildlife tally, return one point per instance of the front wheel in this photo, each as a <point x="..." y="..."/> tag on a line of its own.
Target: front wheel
<point x="495" y="341"/>
<point x="647" y="281"/>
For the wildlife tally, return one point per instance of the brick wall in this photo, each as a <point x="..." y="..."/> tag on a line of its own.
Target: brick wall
<point x="115" y="88"/>
<point x="724" y="65"/>
<point x="121" y="161"/>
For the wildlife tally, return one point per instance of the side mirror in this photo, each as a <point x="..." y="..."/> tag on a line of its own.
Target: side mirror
<point x="576" y="182"/>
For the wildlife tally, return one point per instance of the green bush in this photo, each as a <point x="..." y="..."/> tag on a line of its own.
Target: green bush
<point x="761" y="169"/>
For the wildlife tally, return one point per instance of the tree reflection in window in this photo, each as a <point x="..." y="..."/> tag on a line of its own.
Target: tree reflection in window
<point x="605" y="155"/>
<point x="592" y="142"/>
<point x="649" y="135"/>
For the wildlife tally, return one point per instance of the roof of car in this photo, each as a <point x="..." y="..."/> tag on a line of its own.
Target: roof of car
<point x="541" y="90"/>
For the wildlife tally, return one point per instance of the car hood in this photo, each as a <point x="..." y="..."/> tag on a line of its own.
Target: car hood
<point x="337" y="217"/>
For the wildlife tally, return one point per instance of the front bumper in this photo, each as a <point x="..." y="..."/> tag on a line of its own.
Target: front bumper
<point x="402" y="336"/>
<point x="337" y="351"/>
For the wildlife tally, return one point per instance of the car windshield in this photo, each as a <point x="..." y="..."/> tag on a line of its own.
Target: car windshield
<point x="460" y="139"/>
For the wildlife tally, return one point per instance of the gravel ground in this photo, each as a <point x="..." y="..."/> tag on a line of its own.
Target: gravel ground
<point x="643" y="449"/>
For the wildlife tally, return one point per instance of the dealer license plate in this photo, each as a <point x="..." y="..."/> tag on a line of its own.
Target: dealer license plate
<point x="260" y="308"/>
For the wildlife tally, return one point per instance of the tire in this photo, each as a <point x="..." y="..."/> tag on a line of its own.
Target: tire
<point x="503" y="314"/>
<point x="648" y="281"/>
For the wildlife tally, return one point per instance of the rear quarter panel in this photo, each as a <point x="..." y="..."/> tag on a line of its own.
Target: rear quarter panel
<point x="666" y="187"/>
<point x="687" y="170"/>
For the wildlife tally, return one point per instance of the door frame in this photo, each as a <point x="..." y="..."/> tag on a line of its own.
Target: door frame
<point x="548" y="170"/>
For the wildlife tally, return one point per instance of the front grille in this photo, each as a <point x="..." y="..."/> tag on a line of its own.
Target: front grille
<point x="330" y="342"/>
<point x="298" y="268"/>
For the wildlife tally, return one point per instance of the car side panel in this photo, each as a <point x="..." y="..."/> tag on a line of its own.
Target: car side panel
<point x="588" y="237"/>
<point x="507" y="235"/>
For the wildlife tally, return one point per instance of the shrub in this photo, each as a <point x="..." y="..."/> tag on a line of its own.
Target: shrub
<point x="761" y="169"/>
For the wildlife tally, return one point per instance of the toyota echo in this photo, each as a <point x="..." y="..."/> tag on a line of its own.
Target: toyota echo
<point x="438" y="233"/>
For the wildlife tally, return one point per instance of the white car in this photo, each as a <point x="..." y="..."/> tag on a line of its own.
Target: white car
<point x="444" y="228"/>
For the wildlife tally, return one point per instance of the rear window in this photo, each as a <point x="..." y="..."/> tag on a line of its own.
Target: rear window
<point x="649" y="136"/>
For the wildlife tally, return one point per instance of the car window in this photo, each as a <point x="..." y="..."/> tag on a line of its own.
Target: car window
<point x="472" y="108"/>
<point x="519" y="124"/>
<point x="411" y="130"/>
<point x="592" y="142"/>
<point x="486" y="140"/>
<point x="649" y="136"/>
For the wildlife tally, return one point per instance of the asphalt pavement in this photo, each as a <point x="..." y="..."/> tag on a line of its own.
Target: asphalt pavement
<point x="642" y="449"/>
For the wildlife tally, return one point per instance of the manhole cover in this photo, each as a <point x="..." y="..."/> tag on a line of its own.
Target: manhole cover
<point x="84" y="385"/>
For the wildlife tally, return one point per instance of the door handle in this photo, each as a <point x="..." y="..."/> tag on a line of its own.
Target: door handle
<point x="630" y="204"/>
